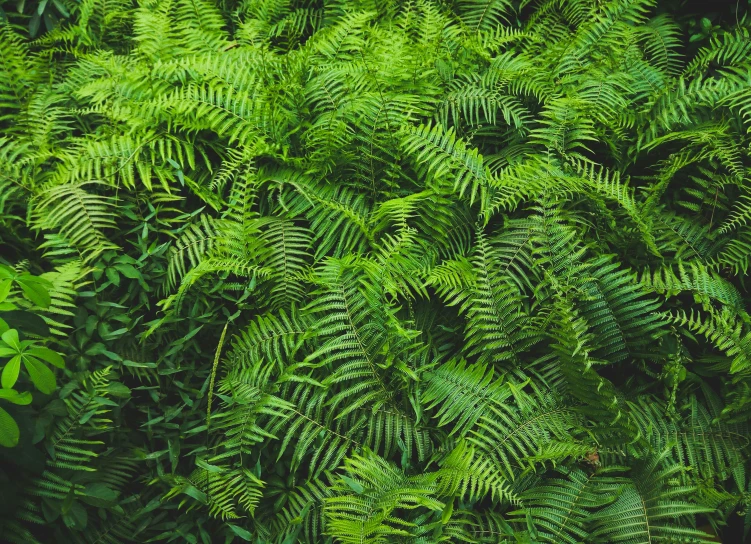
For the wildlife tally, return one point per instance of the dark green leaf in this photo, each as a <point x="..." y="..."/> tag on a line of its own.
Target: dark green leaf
<point x="9" y="432"/>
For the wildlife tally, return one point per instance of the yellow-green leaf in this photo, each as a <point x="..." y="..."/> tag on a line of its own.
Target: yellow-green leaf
<point x="10" y="337"/>
<point x="46" y="354"/>
<point x="10" y="372"/>
<point x="5" y="285"/>
<point x="11" y="395"/>
<point x="40" y="375"/>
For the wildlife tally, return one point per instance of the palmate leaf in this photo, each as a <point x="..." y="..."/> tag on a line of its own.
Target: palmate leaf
<point x="9" y="431"/>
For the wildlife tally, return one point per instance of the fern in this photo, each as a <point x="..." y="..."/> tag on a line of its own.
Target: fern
<point x="375" y="271"/>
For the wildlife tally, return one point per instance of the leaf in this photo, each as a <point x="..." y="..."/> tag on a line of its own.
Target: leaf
<point x="448" y="511"/>
<point x="61" y="8"/>
<point x="10" y="337"/>
<point x="113" y="276"/>
<point x="209" y="468"/>
<point x="98" y="494"/>
<point x="354" y="485"/>
<point x="197" y="494"/>
<point x="27" y="322"/>
<point x="50" y="20"/>
<point x="57" y="408"/>
<point x="76" y="518"/>
<point x="35" y="290"/>
<point x="11" y="395"/>
<point x="5" y="285"/>
<point x="129" y="271"/>
<point x="119" y="390"/>
<point x="42" y="377"/>
<point x="46" y="354"/>
<point x="7" y="352"/>
<point x="242" y="533"/>
<point x="10" y="372"/>
<point x="9" y="432"/>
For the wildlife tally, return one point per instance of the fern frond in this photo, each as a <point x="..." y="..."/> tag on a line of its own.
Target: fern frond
<point x="649" y="507"/>
<point x="440" y="154"/>
<point x="78" y="216"/>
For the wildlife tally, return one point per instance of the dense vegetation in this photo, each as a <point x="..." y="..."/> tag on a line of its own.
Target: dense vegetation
<point x="358" y="271"/>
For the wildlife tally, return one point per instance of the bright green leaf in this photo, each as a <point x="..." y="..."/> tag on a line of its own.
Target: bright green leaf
<point x="35" y="291"/>
<point x="5" y="285"/>
<point x="42" y="377"/>
<point x="11" y="395"/>
<point x="354" y="485"/>
<point x="46" y="354"/>
<point x="10" y="337"/>
<point x="10" y="372"/>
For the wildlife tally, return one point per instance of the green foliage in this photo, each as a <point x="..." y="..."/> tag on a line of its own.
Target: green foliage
<point x="22" y="331"/>
<point x="377" y="272"/>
